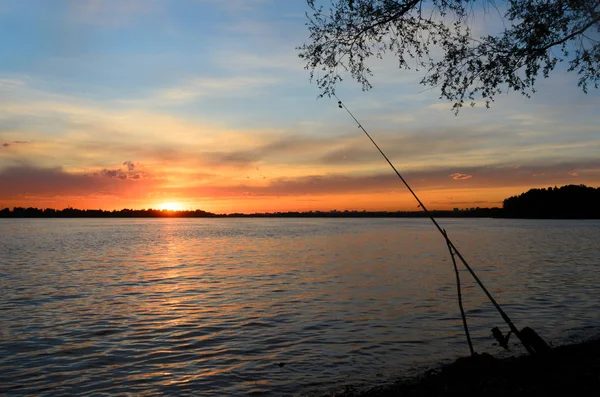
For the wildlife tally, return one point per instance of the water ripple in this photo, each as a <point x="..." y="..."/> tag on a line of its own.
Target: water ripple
<point x="271" y="307"/>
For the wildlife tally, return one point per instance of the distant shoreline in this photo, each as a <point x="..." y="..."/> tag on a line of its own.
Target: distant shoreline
<point x="70" y="213"/>
<point x="566" y="202"/>
<point x="128" y="213"/>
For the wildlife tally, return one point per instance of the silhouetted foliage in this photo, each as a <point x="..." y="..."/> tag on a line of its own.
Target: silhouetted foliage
<point x="572" y="201"/>
<point x="567" y="202"/>
<point x="538" y="34"/>
<point x="19" y="212"/>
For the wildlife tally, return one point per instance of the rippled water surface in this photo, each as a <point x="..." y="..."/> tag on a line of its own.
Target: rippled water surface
<point x="212" y="307"/>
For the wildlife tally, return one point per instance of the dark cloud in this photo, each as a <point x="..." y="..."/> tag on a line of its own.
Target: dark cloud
<point x="329" y="184"/>
<point x="403" y="147"/>
<point x="114" y="173"/>
<point x="7" y="144"/>
<point x="27" y="180"/>
<point x="129" y="173"/>
<point x="504" y="175"/>
<point x="22" y="181"/>
<point x="289" y="149"/>
<point x="350" y="153"/>
<point x="354" y="148"/>
<point x="285" y="149"/>
<point x="241" y="158"/>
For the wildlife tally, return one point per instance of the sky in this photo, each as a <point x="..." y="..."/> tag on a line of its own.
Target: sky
<point x="204" y="104"/>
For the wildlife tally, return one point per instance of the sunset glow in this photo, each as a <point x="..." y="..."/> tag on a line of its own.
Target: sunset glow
<point x="206" y="103"/>
<point x="171" y="207"/>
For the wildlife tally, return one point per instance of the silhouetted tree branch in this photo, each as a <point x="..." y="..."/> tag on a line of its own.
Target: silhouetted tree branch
<point x="436" y="36"/>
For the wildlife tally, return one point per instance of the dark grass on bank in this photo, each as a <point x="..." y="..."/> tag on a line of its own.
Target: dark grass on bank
<point x="571" y="370"/>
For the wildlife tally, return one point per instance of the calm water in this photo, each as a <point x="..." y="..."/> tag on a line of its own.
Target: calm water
<point x="211" y="307"/>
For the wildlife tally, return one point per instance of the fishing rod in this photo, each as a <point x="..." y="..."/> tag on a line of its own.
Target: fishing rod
<point x="525" y="340"/>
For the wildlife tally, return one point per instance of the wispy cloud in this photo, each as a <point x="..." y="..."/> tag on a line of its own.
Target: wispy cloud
<point x="488" y="177"/>
<point x="243" y="61"/>
<point x="457" y="176"/>
<point x="237" y="86"/>
<point x="64" y="131"/>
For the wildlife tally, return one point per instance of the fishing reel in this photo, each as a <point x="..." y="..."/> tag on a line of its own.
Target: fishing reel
<point x="534" y="343"/>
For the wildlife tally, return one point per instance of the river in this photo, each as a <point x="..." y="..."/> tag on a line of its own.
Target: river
<point x="274" y="306"/>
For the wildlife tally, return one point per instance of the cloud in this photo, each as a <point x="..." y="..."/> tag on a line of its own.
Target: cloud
<point x="7" y="144"/>
<point x="489" y="177"/>
<point x="276" y="148"/>
<point x="11" y="84"/>
<point x="350" y="150"/>
<point x="128" y="173"/>
<point x="130" y="165"/>
<point x="114" y="174"/>
<point x="20" y="181"/>
<point x="353" y="151"/>
<point x="306" y="156"/>
<point x="76" y="130"/>
<point x="35" y="183"/>
<point x="460" y="177"/>
<point x="29" y="180"/>
<point x="216" y="87"/>
<point x="242" y="62"/>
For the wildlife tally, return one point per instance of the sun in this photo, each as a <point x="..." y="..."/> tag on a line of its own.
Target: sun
<point x="171" y="206"/>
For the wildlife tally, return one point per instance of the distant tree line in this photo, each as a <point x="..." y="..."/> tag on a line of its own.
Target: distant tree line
<point x="566" y="202"/>
<point x="472" y="213"/>
<point x="20" y="212"/>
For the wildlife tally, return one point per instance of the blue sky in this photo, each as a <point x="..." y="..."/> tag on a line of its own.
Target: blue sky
<point x="210" y="104"/>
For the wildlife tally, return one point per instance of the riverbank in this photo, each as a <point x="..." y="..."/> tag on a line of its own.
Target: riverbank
<point x="571" y="370"/>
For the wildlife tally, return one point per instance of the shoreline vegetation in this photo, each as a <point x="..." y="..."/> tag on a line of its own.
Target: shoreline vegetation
<point x="566" y="202"/>
<point x="569" y="370"/>
<point x="19" y="212"/>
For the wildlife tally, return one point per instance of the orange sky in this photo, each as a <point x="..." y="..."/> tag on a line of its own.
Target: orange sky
<point x="207" y="106"/>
